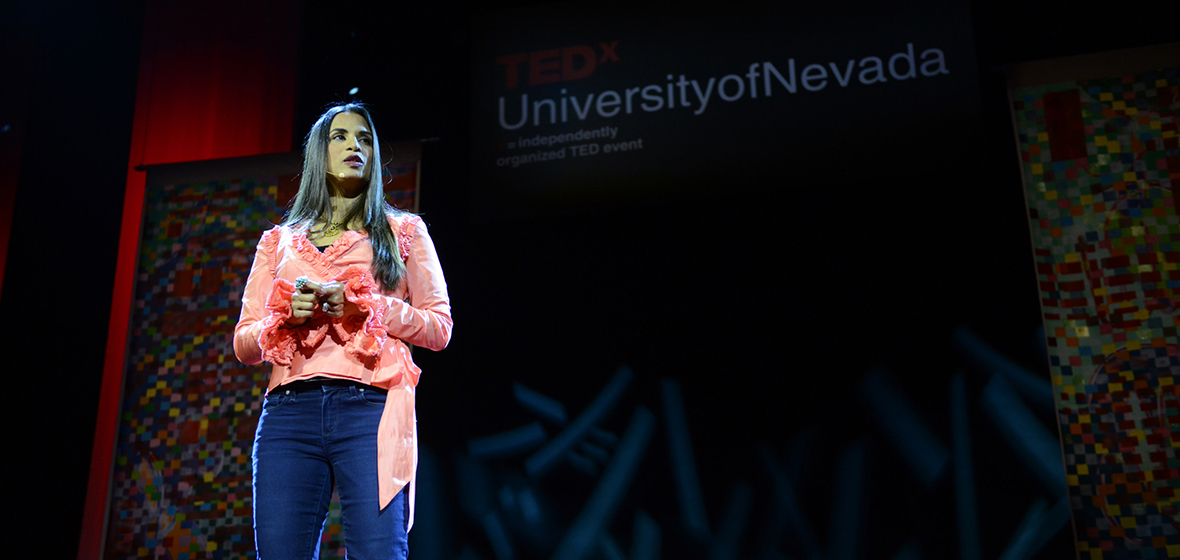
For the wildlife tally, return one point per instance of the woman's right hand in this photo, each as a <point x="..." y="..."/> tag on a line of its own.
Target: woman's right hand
<point x="303" y="303"/>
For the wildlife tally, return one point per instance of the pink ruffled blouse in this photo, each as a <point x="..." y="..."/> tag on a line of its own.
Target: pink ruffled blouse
<point x="370" y="347"/>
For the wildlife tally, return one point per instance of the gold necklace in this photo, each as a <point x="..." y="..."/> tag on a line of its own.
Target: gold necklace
<point x="333" y="229"/>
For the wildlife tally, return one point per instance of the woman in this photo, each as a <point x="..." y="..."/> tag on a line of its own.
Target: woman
<point x="335" y="296"/>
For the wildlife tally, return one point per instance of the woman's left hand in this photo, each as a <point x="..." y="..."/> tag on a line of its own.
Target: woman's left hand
<point x="331" y="298"/>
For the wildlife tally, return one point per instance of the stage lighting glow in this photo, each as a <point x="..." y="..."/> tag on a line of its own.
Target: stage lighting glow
<point x="353" y="91"/>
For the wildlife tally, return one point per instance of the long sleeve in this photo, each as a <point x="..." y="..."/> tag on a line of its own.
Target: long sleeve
<point x="266" y="305"/>
<point x="425" y="318"/>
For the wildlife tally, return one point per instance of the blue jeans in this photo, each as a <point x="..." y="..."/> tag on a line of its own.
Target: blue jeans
<point x="308" y="437"/>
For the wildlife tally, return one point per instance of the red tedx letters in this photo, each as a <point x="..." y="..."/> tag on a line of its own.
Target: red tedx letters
<point x="556" y="65"/>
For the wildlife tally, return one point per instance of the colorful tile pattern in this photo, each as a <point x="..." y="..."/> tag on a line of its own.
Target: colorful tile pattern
<point x="1100" y="160"/>
<point x="181" y="482"/>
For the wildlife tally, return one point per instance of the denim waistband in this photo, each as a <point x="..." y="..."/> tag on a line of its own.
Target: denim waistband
<point x="318" y="383"/>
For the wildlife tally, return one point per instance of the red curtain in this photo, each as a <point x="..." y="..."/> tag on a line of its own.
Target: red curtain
<point x="221" y="80"/>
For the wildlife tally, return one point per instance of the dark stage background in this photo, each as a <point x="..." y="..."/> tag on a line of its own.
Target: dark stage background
<point x="767" y="290"/>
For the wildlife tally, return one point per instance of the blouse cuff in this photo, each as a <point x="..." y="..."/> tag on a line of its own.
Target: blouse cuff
<point x="364" y="333"/>
<point x="277" y="339"/>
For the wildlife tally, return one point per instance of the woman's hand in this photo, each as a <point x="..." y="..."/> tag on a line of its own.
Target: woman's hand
<point x="303" y="301"/>
<point x="311" y="297"/>
<point x="332" y="299"/>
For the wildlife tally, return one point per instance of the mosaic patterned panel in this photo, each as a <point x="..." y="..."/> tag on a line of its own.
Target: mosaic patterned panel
<point x="181" y="482"/>
<point x="1100" y="159"/>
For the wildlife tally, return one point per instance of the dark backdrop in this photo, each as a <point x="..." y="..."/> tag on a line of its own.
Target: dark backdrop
<point x="74" y="90"/>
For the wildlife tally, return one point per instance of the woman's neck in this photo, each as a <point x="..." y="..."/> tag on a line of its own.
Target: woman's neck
<point x="349" y="189"/>
<point x="342" y="202"/>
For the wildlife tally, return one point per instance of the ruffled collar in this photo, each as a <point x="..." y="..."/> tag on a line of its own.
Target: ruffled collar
<point x="323" y="262"/>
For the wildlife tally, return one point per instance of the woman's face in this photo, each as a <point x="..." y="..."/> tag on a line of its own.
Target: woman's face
<point x="350" y="148"/>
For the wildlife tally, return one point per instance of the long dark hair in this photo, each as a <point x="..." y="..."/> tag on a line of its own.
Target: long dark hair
<point x="312" y="208"/>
